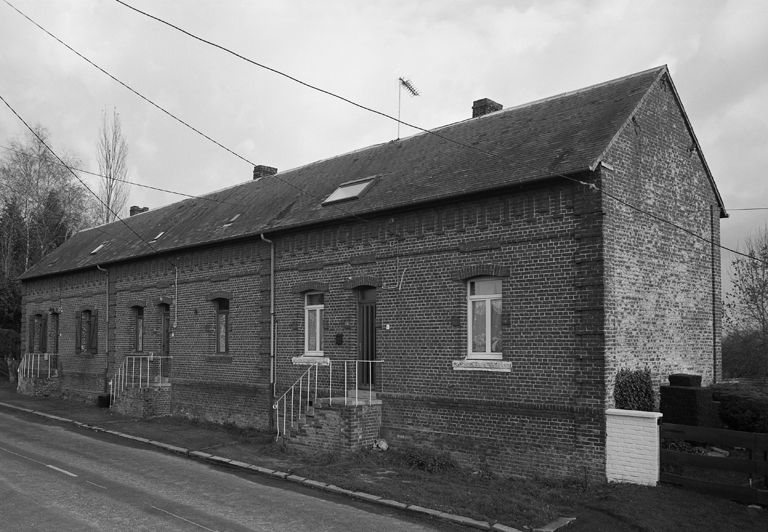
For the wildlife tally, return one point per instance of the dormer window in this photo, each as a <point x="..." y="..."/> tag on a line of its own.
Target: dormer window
<point x="349" y="190"/>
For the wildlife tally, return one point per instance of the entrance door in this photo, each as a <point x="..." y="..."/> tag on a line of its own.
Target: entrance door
<point x="165" y="362"/>
<point x="366" y="337"/>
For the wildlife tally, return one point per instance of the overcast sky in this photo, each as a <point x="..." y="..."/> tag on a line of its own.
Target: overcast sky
<point x="454" y="52"/>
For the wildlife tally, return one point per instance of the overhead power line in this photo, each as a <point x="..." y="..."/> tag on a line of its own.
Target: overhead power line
<point x="192" y="196"/>
<point x="80" y="180"/>
<point x="448" y="139"/>
<point x="299" y="189"/>
<point x="474" y="148"/>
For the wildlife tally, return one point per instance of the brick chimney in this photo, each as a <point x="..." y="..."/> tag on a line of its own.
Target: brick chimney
<point x="485" y="106"/>
<point x="263" y="171"/>
<point x="135" y="209"/>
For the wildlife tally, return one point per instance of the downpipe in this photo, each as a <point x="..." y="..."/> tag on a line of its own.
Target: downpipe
<point x="272" y="366"/>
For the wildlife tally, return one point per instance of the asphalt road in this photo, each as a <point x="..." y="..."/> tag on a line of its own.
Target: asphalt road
<point x="54" y="478"/>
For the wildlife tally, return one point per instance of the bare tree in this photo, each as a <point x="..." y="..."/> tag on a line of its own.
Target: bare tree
<point x="34" y="179"/>
<point x="112" y="153"/>
<point x="747" y="304"/>
<point x="42" y="203"/>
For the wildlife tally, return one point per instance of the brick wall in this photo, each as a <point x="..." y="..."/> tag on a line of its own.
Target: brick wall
<point x="83" y="375"/>
<point x="232" y="387"/>
<point x="662" y="285"/>
<point x="543" y="409"/>
<point x="632" y="446"/>
<point x="338" y="428"/>
<point x="145" y="402"/>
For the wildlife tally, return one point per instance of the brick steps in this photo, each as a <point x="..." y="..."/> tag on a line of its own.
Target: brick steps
<point x="332" y="425"/>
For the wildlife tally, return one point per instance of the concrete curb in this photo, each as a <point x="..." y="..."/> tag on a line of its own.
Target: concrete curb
<point x="375" y="499"/>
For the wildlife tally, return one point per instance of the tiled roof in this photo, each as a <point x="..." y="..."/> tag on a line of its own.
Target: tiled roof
<point x="559" y="135"/>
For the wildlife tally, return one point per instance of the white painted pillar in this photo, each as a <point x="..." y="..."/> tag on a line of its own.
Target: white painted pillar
<point x="632" y="446"/>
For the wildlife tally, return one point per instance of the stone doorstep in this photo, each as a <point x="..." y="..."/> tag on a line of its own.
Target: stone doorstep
<point x="350" y="402"/>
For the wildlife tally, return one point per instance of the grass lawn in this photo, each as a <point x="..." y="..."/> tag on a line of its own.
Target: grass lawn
<point x="426" y="479"/>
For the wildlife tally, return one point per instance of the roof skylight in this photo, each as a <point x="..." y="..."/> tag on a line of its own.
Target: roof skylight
<point x="99" y="247"/>
<point x="349" y="191"/>
<point x="232" y="220"/>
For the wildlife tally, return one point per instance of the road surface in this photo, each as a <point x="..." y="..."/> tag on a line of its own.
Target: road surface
<point x="61" y="479"/>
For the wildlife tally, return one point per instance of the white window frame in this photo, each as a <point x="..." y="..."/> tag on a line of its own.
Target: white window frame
<point x="320" y="310"/>
<point x="488" y="354"/>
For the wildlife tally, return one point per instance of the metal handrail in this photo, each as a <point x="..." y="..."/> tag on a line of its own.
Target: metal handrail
<point x="30" y="365"/>
<point x="128" y="375"/>
<point x="313" y="381"/>
<point x="284" y="398"/>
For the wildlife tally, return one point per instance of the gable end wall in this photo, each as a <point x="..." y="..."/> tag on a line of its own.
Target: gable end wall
<point x="662" y="285"/>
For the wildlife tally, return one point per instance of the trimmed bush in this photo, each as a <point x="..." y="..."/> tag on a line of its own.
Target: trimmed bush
<point x="634" y="390"/>
<point x="742" y="407"/>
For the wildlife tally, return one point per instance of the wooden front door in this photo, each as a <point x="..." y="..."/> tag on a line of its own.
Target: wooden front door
<point x="366" y="337"/>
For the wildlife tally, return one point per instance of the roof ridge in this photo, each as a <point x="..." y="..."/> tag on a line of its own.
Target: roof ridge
<point x="583" y="89"/>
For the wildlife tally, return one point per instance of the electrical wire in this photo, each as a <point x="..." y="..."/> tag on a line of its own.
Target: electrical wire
<point x="297" y="80"/>
<point x="299" y="189"/>
<point x="443" y="137"/>
<point x="334" y="95"/>
<point x="204" y="198"/>
<point x="81" y="181"/>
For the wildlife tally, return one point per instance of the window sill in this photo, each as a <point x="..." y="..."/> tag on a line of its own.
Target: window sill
<point x="307" y="360"/>
<point x="502" y="366"/>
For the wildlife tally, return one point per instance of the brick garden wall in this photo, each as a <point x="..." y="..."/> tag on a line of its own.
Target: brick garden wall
<point x="662" y="295"/>
<point x="543" y="409"/>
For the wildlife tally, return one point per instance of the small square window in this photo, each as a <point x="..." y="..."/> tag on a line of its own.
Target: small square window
<point x="349" y="191"/>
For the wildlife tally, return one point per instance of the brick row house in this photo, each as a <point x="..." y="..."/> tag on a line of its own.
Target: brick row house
<point x="484" y="281"/>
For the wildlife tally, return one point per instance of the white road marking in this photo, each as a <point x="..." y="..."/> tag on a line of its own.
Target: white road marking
<point x="98" y="485"/>
<point x="22" y="456"/>
<point x="38" y="462"/>
<point x="185" y="520"/>
<point x="60" y="470"/>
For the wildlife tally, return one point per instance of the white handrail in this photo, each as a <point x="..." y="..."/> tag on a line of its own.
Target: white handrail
<point x="127" y="375"/>
<point x="284" y="399"/>
<point x="30" y="365"/>
<point x="372" y="368"/>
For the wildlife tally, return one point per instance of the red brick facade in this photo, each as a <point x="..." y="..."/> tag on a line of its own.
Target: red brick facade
<point x="589" y="285"/>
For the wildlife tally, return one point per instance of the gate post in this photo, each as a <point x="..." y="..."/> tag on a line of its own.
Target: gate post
<point x="632" y="446"/>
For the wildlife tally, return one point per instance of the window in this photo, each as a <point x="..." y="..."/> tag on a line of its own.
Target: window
<point x="484" y="318"/>
<point x="86" y="331"/>
<point x="138" y="338"/>
<point x="222" y="325"/>
<point x="38" y="334"/>
<point x="349" y="191"/>
<point x="314" y="307"/>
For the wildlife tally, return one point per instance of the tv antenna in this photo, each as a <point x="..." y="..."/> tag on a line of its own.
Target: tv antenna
<point x="408" y="86"/>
